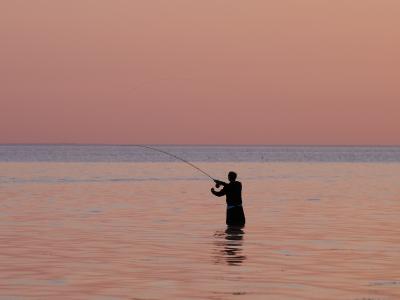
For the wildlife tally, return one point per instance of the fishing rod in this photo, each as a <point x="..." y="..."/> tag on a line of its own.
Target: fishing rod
<point x="176" y="157"/>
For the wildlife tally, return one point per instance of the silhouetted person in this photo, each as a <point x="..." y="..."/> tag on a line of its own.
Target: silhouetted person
<point x="233" y="191"/>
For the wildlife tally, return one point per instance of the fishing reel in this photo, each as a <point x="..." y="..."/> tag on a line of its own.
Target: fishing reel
<point x="217" y="183"/>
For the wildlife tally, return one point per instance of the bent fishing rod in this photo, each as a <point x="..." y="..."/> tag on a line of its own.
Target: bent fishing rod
<point x="178" y="158"/>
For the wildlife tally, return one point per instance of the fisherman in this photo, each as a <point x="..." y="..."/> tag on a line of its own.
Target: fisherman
<point x="233" y="191"/>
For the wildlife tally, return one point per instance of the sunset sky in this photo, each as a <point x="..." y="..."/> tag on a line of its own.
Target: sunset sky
<point x="200" y="72"/>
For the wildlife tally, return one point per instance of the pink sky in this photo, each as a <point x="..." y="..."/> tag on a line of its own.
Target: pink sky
<point x="194" y="72"/>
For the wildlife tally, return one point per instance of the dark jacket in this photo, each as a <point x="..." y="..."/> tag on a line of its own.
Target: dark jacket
<point x="233" y="192"/>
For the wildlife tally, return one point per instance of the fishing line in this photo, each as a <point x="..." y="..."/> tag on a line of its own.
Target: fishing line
<point x="178" y="158"/>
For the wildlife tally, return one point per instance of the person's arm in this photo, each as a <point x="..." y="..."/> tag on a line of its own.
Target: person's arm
<point x="219" y="182"/>
<point x="218" y="193"/>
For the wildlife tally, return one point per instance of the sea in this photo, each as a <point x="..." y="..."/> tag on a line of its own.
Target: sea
<point x="125" y="222"/>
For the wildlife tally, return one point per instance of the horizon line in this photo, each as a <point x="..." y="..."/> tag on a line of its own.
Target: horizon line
<point x="202" y="145"/>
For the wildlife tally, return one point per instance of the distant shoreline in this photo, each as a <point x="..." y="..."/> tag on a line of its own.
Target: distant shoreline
<point x="203" y="145"/>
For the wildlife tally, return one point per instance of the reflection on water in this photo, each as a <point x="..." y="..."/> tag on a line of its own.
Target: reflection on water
<point x="229" y="246"/>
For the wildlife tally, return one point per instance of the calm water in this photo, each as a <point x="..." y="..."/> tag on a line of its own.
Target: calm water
<point x="113" y="222"/>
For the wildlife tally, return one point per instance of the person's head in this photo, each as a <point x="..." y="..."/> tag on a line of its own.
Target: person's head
<point x="232" y="176"/>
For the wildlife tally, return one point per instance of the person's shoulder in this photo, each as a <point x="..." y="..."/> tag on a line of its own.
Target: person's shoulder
<point x="238" y="183"/>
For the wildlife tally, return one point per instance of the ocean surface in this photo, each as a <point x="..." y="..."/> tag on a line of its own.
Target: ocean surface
<point x="122" y="222"/>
